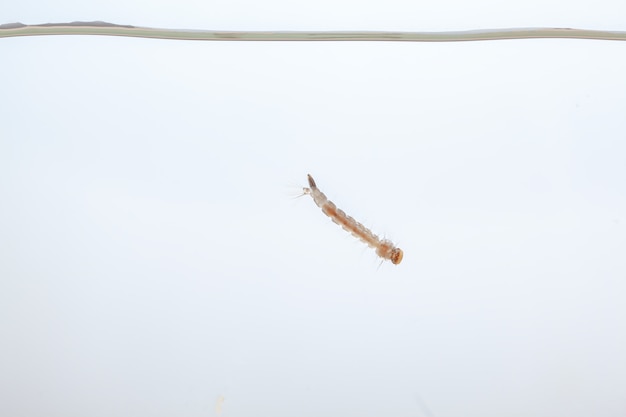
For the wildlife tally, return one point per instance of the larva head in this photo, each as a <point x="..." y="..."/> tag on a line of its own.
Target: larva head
<point x="396" y="256"/>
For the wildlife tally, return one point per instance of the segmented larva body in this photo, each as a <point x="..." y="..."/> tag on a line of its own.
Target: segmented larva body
<point x="384" y="248"/>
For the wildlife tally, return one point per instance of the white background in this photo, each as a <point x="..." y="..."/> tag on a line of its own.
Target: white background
<point x="154" y="262"/>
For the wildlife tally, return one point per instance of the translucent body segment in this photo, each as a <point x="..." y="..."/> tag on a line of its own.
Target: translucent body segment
<point x="384" y="248"/>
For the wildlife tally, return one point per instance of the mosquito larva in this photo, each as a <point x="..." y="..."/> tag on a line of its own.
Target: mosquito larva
<point x="384" y="248"/>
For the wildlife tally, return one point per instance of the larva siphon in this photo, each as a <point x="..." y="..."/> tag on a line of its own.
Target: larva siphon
<point x="384" y="248"/>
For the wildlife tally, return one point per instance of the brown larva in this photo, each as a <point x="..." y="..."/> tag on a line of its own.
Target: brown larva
<point x="384" y="248"/>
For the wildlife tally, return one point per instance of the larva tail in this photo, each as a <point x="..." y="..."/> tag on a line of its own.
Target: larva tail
<point x="311" y="181"/>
